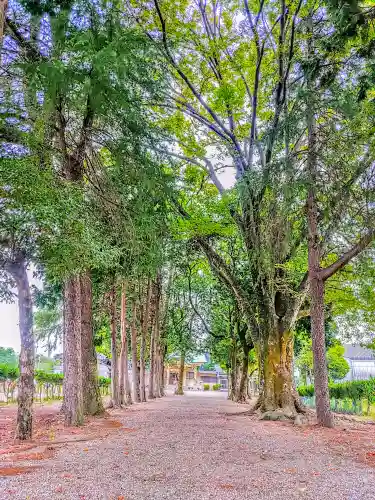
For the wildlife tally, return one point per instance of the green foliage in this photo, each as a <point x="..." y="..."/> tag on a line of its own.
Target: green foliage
<point x="104" y="381"/>
<point x="338" y="367"/>
<point x="209" y="366"/>
<point x="45" y="377"/>
<point x="48" y="385"/>
<point x="206" y="387"/>
<point x="8" y="356"/>
<point x="216" y="387"/>
<point x="355" y="390"/>
<point x="8" y="372"/>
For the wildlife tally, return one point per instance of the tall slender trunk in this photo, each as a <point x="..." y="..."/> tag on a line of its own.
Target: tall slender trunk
<point x="142" y="357"/>
<point x="241" y="393"/>
<point x="92" y="401"/>
<point x="114" y="360"/>
<point x="159" y="349"/>
<point x="135" y="374"/>
<point x="73" y="400"/>
<point x="163" y="353"/>
<point x="154" y="380"/>
<point x="3" y="10"/>
<point x="27" y="355"/>
<point x="158" y="362"/>
<point x="153" y="365"/>
<point x="180" y="385"/>
<point x="124" y="389"/>
<point x="323" y="411"/>
<point x="233" y="371"/>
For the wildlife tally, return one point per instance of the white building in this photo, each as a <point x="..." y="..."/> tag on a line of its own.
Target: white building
<point x="361" y="361"/>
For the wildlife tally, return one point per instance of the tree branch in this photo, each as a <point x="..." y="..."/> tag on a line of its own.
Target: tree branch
<point x="208" y="330"/>
<point x="365" y="241"/>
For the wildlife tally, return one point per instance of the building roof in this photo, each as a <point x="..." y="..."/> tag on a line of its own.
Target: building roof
<point x="199" y="359"/>
<point x="356" y="351"/>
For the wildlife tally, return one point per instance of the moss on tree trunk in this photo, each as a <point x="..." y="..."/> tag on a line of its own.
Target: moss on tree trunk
<point x="276" y="374"/>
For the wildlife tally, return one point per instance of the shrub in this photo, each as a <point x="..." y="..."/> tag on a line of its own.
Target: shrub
<point x="48" y="385"/>
<point x="216" y="387"/>
<point x="356" y="390"/>
<point x="104" y="381"/>
<point x="206" y="387"/>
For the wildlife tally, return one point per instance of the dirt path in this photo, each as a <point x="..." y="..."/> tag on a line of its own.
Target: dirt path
<point x="195" y="447"/>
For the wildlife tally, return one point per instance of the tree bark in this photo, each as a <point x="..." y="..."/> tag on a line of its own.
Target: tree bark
<point x="27" y="354"/>
<point x="180" y="386"/>
<point x="241" y="393"/>
<point x="155" y="381"/>
<point x="233" y="372"/>
<point x="163" y="352"/>
<point x="153" y="366"/>
<point x="124" y="389"/>
<point x="323" y="411"/>
<point x="276" y="375"/>
<point x="136" y="390"/>
<point x="3" y="10"/>
<point x="92" y="401"/>
<point x="114" y="360"/>
<point x="142" y="357"/>
<point x="73" y="400"/>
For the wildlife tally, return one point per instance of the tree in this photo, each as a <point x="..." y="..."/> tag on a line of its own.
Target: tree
<point x="81" y="86"/>
<point x="48" y="328"/>
<point x="249" y="57"/>
<point x="338" y="367"/>
<point x="8" y="356"/>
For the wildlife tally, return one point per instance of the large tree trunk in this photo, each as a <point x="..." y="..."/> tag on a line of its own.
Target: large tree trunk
<point x="142" y="357"/>
<point x="276" y="375"/>
<point x="180" y="386"/>
<point x="241" y="393"/>
<point x="27" y="355"/>
<point x="114" y="361"/>
<point x="124" y="389"/>
<point x="135" y="374"/>
<point x="92" y="401"/>
<point x="73" y="400"/>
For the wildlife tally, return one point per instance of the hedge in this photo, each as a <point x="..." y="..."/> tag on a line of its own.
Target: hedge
<point x="48" y="385"/>
<point x="356" y="390"/>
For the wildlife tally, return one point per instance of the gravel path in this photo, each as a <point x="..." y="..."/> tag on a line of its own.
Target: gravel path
<point x="195" y="447"/>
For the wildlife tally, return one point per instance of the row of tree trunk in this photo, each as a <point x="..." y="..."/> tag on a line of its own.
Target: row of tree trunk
<point x="140" y="327"/>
